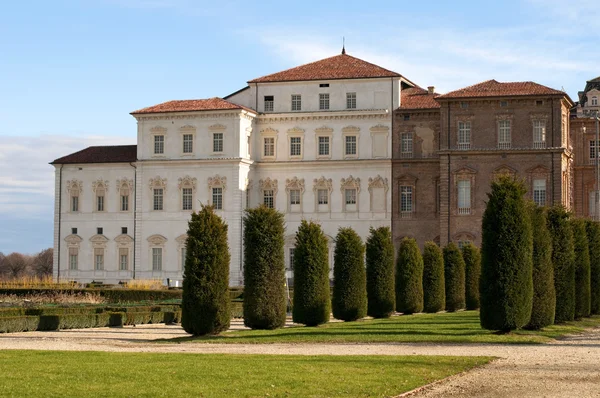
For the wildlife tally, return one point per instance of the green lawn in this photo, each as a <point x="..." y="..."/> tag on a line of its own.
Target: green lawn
<point x="91" y="374"/>
<point x="457" y="327"/>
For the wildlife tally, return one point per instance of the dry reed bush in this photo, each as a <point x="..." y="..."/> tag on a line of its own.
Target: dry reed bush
<point x="28" y="282"/>
<point x="145" y="284"/>
<point x="60" y="298"/>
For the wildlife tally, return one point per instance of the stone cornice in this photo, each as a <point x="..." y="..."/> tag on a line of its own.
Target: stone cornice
<point x="332" y="115"/>
<point x="197" y="115"/>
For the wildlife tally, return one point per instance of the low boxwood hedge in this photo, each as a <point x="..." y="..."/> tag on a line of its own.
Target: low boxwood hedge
<point x="15" y="324"/>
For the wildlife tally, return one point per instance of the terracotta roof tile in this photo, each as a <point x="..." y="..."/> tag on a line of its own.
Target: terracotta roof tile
<point x="210" y="104"/>
<point x="101" y="154"/>
<point x="341" y="66"/>
<point x="418" y="98"/>
<point x="493" y="88"/>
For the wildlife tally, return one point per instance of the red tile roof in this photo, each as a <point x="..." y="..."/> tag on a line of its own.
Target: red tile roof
<point x="418" y="98"/>
<point x="493" y="88"/>
<point x="341" y="66"/>
<point x="101" y="154"/>
<point x="210" y="104"/>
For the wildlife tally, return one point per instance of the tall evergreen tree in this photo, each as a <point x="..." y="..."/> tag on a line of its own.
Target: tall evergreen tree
<point x="472" y="258"/>
<point x="454" y="277"/>
<point x="582" y="268"/>
<point x="434" y="285"/>
<point x="409" y="277"/>
<point x="563" y="258"/>
<point x="381" y="293"/>
<point x="312" y="302"/>
<point x="593" y="232"/>
<point x="349" y="277"/>
<point x="264" y="269"/>
<point x="507" y="249"/>
<point x="544" y="297"/>
<point x="205" y="302"/>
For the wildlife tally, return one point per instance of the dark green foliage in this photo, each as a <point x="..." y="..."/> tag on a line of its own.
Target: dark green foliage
<point x="264" y="269"/>
<point x="117" y="319"/>
<point x="73" y="321"/>
<point x="381" y="292"/>
<point x="349" y="301"/>
<point x="544" y="298"/>
<point x="409" y="277"/>
<point x="434" y="288"/>
<point x="593" y="233"/>
<point x="14" y="324"/>
<point x="582" y="268"/>
<point x="506" y="289"/>
<point x="116" y="295"/>
<point x="312" y="302"/>
<point x="472" y="258"/>
<point x="454" y="278"/>
<point x="563" y="259"/>
<point x="205" y="301"/>
<point x="142" y="318"/>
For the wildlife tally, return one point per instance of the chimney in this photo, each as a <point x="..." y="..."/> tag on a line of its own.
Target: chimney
<point x="431" y="89"/>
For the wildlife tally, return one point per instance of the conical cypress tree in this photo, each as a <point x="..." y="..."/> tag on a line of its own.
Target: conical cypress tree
<point x="454" y="277"/>
<point x="544" y="297"/>
<point x="472" y="258"/>
<point x="349" y="301"/>
<point x="507" y="248"/>
<point x="264" y="269"/>
<point x="563" y="258"/>
<point x="205" y="301"/>
<point x="381" y="293"/>
<point x="312" y="302"/>
<point x="582" y="269"/>
<point x="434" y="286"/>
<point x="409" y="277"/>
<point x="593" y="232"/>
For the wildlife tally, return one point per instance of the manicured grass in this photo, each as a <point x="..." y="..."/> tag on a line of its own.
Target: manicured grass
<point x="456" y="327"/>
<point x="91" y="374"/>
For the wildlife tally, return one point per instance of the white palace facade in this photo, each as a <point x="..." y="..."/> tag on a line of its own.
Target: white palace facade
<point x="314" y="141"/>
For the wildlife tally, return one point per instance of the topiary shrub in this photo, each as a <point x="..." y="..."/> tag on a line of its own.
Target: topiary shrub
<point x="472" y="258"/>
<point x="507" y="249"/>
<point x="434" y="289"/>
<point x="349" y="301"/>
<point x="264" y="269"/>
<point x="312" y="302"/>
<point x="381" y="294"/>
<point x="582" y="268"/>
<point x="563" y="259"/>
<point x="454" y="278"/>
<point x="409" y="277"/>
<point x="593" y="233"/>
<point x="544" y="297"/>
<point x="205" y="301"/>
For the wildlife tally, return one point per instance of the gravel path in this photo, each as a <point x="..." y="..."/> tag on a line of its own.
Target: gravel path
<point x="565" y="368"/>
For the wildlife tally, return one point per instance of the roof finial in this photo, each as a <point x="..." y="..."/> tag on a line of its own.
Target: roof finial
<point x="343" y="45"/>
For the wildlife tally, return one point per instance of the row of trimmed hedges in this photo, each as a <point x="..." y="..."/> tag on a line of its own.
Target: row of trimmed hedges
<point x="111" y="295"/>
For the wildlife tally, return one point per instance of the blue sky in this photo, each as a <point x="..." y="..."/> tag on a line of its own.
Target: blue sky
<point x="71" y="71"/>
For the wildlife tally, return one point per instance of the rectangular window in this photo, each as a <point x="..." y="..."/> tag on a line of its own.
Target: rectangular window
<point x="350" y="145"/>
<point x="74" y="203"/>
<point x="323" y="101"/>
<point x="592" y="152"/>
<point x="294" y="197"/>
<point x="73" y="257"/>
<point x="269" y="101"/>
<point x="351" y="100"/>
<point x="539" y="134"/>
<point x="464" y="135"/>
<point x="268" y="198"/>
<point x="74" y="231"/>
<point x="183" y="255"/>
<point x="125" y="202"/>
<point x="217" y="198"/>
<point x="100" y="202"/>
<point x="292" y="250"/>
<point x="295" y="146"/>
<point x="592" y="201"/>
<point x="158" y="199"/>
<point x="99" y="230"/>
<point x="159" y="144"/>
<point x="350" y="196"/>
<point x="269" y="146"/>
<point x="188" y="143"/>
<point x="323" y="146"/>
<point x="464" y="197"/>
<point x="406" y="201"/>
<point x="186" y="197"/>
<point x="406" y="145"/>
<point x="323" y="196"/>
<point x="539" y="192"/>
<point x="123" y="259"/>
<point x="217" y="142"/>
<point x="157" y="259"/>
<point x="296" y="102"/>
<point x="98" y="259"/>
<point x="124" y="230"/>
<point x="594" y="101"/>
<point x="504" y="134"/>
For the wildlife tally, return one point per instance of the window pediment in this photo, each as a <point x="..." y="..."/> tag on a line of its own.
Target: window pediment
<point x="187" y="182"/>
<point x="465" y="170"/>
<point x="74" y="186"/>
<point x="380" y="128"/>
<point x="73" y="240"/>
<point x="350" y="183"/>
<point x="464" y="236"/>
<point x="296" y="131"/>
<point x="181" y="239"/>
<point x="504" y="170"/>
<point x="100" y="185"/>
<point x="125" y="183"/>
<point x="99" y="241"/>
<point x="378" y="182"/>
<point x="217" y="127"/>
<point x="408" y="178"/>
<point x="124" y="240"/>
<point x="294" y="183"/>
<point x="350" y="129"/>
<point x="323" y="183"/>
<point x="157" y="240"/>
<point x="158" y="130"/>
<point x="269" y="131"/>
<point x="268" y="184"/>
<point x="157" y="182"/>
<point x="324" y="130"/>
<point x="188" y="128"/>
<point x="539" y="169"/>
<point x="217" y="181"/>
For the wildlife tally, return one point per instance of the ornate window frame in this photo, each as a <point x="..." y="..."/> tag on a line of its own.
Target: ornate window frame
<point x="295" y="132"/>
<point x="350" y="131"/>
<point x="187" y="182"/>
<point x="467" y="120"/>
<point x="322" y="183"/>
<point x="100" y="188"/>
<point x="73" y="246"/>
<point x="542" y="118"/>
<point x="327" y="132"/>
<point x="407" y="180"/>
<point x="350" y="183"/>
<point x="291" y="184"/>
<point x="74" y="189"/>
<point x="157" y="241"/>
<point x="268" y="184"/>
<point x="504" y="170"/>
<point x="187" y="130"/>
<point x="125" y="186"/>
<point x="181" y="245"/>
<point x="378" y="182"/>
<point x="268" y="133"/>
<point x="539" y="172"/>
<point x="463" y="174"/>
<point x="158" y="131"/>
<point x="217" y="181"/>
<point x="99" y="243"/>
<point x="461" y="237"/>
<point x="217" y="129"/>
<point x="124" y="241"/>
<point x="157" y="183"/>
<point x="504" y="118"/>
